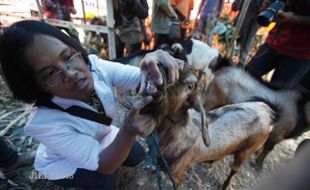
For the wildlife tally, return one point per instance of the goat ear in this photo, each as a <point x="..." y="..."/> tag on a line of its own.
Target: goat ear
<point x="179" y="52"/>
<point x="219" y="62"/>
<point x="188" y="46"/>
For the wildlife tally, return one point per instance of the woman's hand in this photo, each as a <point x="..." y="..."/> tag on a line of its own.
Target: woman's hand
<point x="149" y="65"/>
<point x="137" y="124"/>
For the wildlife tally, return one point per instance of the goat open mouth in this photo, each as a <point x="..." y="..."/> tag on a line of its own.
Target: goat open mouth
<point x="151" y="88"/>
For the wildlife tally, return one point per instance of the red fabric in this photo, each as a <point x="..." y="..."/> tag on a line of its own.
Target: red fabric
<point x="52" y="12"/>
<point x="293" y="39"/>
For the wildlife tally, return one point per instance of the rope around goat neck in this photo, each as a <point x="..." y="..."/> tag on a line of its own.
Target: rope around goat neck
<point x="152" y="142"/>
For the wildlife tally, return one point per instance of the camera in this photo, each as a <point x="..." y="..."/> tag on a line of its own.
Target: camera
<point x="265" y="17"/>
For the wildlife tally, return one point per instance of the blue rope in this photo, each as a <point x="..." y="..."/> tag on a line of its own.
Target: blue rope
<point x="150" y="159"/>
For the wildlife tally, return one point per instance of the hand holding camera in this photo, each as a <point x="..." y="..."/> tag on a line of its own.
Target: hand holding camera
<point x="271" y="12"/>
<point x="285" y="17"/>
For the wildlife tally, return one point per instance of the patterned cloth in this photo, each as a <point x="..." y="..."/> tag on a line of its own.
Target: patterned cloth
<point x="96" y="103"/>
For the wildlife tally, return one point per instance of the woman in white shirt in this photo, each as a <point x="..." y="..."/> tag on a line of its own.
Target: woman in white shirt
<point x="44" y="66"/>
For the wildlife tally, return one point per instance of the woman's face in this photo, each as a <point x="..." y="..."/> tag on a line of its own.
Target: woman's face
<point x="59" y="69"/>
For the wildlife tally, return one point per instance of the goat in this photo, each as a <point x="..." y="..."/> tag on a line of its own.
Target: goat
<point x="197" y="55"/>
<point x="238" y="129"/>
<point x="232" y="84"/>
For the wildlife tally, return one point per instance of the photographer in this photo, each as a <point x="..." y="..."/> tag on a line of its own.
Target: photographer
<point x="287" y="47"/>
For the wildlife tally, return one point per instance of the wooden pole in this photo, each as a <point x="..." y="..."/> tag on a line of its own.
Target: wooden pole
<point x="230" y="47"/>
<point x="40" y="10"/>
<point x="83" y="9"/>
<point x="98" y="12"/>
<point x="111" y="34"/>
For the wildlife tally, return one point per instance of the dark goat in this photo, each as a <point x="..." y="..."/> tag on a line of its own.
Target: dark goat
<point x="232" y="84"/>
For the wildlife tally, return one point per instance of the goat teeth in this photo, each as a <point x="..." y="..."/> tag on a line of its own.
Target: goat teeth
<point x="151" y="89"/>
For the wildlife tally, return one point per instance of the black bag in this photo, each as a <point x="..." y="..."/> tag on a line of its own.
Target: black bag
<point x="175" y="30"/>
<point x="130" y="31"/>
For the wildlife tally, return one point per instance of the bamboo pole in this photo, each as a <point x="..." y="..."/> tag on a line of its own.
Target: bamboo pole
<point x="111" y="33"/>
<point x="83" y="9"/>
<point x="40" y="10"/>
<point x="230" y="47"/>
<point x="98" y="12"/>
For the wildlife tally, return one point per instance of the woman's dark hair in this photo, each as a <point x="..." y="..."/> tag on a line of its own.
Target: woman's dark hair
<point x="16" y="69"/>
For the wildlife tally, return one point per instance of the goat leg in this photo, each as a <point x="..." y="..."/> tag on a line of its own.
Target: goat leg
<point x="228" y="179"/>
<point x="259" y="162"/>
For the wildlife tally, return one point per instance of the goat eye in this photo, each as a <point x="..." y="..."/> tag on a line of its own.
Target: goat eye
<point x="190" y="86"/>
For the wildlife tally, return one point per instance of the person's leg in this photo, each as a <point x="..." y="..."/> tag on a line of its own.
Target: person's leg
<point x="202" y="24"/>
<point x="90" y="180"/>
<point x="135" y="156"/>
<point x="10" y="160"/>
<point x="135" y="47"/>
<point x="161" y="39"/>
<point x="93" y="180"/>
<point x="183" y="33"/>
<point x="263" y="61"/>
<point x="119" y="47"/>
<point x="211" y="23"/>
<point x="8" y="156"/>
<point x="290" y="70"/>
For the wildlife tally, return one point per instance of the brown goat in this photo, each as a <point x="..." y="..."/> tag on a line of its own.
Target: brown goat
<point x="238" y="129"/>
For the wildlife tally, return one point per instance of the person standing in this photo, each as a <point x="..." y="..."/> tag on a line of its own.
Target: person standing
<point x="211" y="10"/>
<point x="130" y="16"/>
<point x="287" y="47"/>
<point x="61" y="10"/>
<point x="183" y="9"/>
<point x="163" y="12"/>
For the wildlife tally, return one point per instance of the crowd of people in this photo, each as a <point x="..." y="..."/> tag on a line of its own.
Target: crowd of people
<point x="44" y="66"/>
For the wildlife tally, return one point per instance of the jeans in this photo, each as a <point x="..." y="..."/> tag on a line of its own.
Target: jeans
<point x="92" y="180"/>
<point x="288" y="70"/>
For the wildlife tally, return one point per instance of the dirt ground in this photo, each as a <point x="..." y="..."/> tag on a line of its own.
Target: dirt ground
<point x="200" y="176"/>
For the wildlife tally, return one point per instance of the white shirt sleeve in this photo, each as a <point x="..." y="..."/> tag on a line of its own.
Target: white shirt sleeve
<point x="80" y="149"/>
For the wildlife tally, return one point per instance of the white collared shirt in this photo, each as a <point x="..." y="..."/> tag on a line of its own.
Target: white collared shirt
<point x="68" y="142"/>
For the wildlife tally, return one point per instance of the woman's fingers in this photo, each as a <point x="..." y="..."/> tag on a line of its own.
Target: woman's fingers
<point x="150" y="65"/>
<point x="135" y="110"/>
<point x="136" y="123"/>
